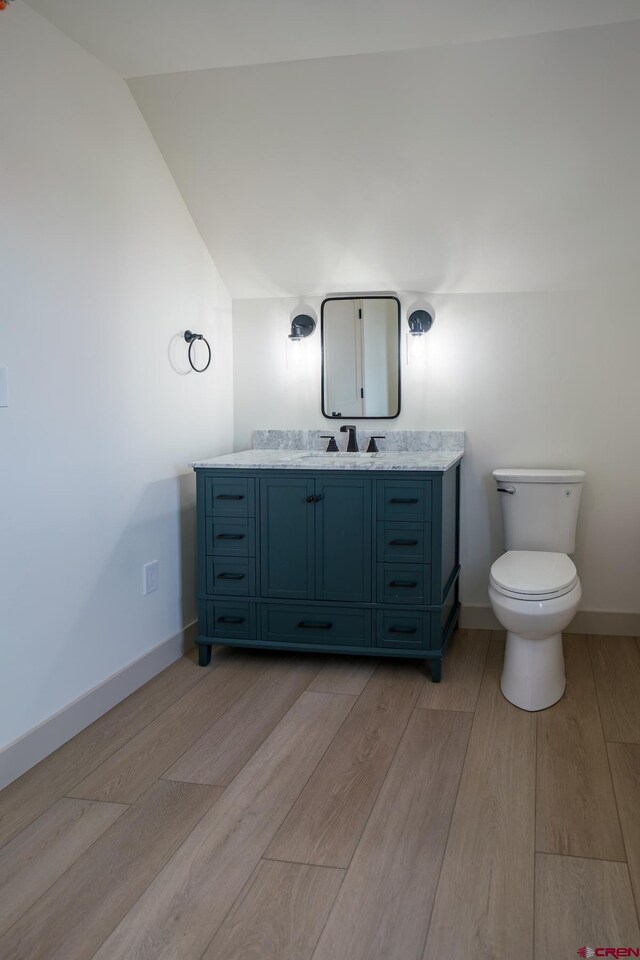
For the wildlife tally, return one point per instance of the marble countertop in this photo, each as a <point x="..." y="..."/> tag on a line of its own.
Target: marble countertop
<point x="263" y="459"/>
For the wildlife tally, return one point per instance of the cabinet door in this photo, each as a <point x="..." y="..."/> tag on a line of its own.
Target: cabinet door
<point x="343" y="539"/>
<point x="286" y="538"/>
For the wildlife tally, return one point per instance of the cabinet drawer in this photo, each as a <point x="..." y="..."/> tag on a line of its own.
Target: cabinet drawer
<point x="222" y="619"/>
<point x="230" y="537"/>
<point x="319" y="625"/>
<point x="229" y="577"/>
<point x="404" y="541"/>
<point x="230" y="497"/>
<point x="404" y="500"/>
<point x="403" y="630"/>
<point x="403" y="583"/>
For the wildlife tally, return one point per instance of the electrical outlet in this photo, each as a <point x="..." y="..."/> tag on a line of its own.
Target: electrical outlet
<point x="150" y="577"/>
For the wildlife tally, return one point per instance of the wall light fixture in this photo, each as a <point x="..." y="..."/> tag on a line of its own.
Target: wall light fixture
<point x="420" y="322"/>
<point x="302" y="326"/>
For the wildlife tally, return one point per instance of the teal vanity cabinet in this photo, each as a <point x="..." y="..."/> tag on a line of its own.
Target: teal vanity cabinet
<point x="353" y="561"/>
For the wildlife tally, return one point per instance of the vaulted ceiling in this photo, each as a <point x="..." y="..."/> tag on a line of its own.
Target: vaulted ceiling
<point x="411" y="144"/>
<point x="140" y="37"/>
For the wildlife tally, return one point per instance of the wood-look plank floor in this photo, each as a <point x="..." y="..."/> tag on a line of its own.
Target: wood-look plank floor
<point x="616" y="666"/>
<point x="328" y="818"/>
<point x="292" y="807"/>
<point x="576" y="810"/>
<point x="582" y="903"/>
<point x="487" y="874"/>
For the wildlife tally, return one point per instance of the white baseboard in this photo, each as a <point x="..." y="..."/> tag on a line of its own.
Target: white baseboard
<point x="604" y="622"/>
<point x="33" y="746"/>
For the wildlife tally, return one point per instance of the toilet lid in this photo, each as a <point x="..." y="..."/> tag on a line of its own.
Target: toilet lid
<point x="533" y="572"/>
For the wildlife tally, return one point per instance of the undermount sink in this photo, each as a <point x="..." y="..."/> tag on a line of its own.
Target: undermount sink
<point x="318" y="455"/>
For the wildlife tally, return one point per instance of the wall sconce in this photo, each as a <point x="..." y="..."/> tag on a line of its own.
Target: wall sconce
<point x="420" y="322"/>
<point x="302" y="326"/>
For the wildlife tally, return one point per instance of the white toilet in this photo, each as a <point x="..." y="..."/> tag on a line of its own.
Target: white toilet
<point x="534" y="587"/>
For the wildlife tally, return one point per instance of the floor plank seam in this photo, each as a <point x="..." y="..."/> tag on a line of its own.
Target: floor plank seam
<point x="631" y="887"/>
<point x="542" y="868"/>
<point x="576" y="856"/>
<point x="453" y="810"/>
<point x="446" y="710"/>
<point x="386" y="774"/>
<point x="91" y="769"/>
<point x="206" y="731"/>
<point x="206" y="812"/>
<point x="64" y="872"/>
<point x="134" y="733"/>
<point x="329" y="912"/>
<point x="613" y="785"/>
<point x="199" y="783"/>
<point x="262" y="856"/>
<point x="237" y="899"/>
<point x="159" y="871"/>
<point x="303" y="863"/>
<point x="285" y="814"/>
<point x="59" y="877"/>
<point x="332" y="693"/>
<point x="117" y="803"/>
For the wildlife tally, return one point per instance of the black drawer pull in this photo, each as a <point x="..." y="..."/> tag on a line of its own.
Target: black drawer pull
<point x="403" y="500"/>
<point x="311" y="625"/>
<point x="403" y="543"/>
<point x="230" y="536"/>
<point x="402" y="629"/>
<point x="314" y="498"/>
<point x="230" y="496"/>
<point x="231" y="576"/>
<point x="231" y="619"/>
<point x="403" y="583"/>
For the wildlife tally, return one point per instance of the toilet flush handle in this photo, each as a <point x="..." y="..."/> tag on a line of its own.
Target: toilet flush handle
<point x="506" y="489"/>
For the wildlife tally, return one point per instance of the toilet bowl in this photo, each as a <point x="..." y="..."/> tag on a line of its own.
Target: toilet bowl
<point x="534" y="595"/>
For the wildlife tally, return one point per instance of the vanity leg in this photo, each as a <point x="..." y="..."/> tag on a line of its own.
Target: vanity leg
<point x="435" y="666"/>
<point x="204" y="654"/>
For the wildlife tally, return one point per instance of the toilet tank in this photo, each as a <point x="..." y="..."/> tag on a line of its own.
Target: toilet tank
<point x="539" y="508"/>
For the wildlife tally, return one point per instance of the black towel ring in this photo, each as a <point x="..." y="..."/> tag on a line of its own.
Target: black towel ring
<point x="191" y="338"/>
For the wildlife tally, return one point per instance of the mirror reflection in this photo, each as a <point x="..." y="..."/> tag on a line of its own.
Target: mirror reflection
<point x="361" y="357"/>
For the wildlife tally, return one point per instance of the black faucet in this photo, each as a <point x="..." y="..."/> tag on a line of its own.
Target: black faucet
<point x="352" y="445"/>
<point x="332" y="446"/>
<point x="373" y="446"/>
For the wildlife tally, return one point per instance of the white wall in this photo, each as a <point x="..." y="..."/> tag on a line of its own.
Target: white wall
<point x="100" y="266"/>
<point x="533" y="379"/>
<point x="507" y="165"/>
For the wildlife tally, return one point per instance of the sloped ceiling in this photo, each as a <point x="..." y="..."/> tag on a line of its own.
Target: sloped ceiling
<point x="496" y="165"/>
<point x="499" y="166"/>
<point x="140" y="37"/>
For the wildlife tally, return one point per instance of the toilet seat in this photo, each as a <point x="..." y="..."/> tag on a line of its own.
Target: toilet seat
<point x="533" y="575"/>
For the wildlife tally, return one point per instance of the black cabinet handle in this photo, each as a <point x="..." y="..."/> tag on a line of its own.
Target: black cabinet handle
<point x="403" y="500"/>
<point x="230" y="496"/>
<point x="403" y="543"/>
<point x="403" y="583"/>
<point x="314" y="498"/>
<point x="231" y="619"/>
<point x="402" y="629"/>
<point x="230" y="536"/>
<point x="311" y="625"/>
<point x="231" y="576"/>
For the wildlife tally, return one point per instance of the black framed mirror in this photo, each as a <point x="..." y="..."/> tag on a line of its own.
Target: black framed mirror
<point x="360" y="357"/>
